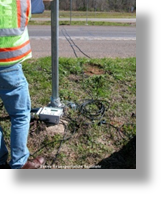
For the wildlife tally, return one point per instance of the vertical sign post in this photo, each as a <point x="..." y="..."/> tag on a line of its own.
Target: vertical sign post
<point x="87" y="12"/>
<point x="70" y="12"/>
<point x="55" y="100"/>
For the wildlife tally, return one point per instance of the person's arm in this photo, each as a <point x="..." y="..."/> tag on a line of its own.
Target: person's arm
<point x="37" y="6"/>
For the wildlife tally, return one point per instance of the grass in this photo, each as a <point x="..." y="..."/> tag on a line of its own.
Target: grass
<point x="91" y="14"/>
<point x="81" y="14"/>
<point x="86" y="142"/>
<point x="91" y="23"/>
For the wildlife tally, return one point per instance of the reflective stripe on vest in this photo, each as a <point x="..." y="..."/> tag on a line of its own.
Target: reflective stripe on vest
<point x="15" y="53"/>
<point x="23" y="11"/>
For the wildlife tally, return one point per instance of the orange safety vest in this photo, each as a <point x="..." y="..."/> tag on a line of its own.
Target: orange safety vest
<point x="14" y="40"/>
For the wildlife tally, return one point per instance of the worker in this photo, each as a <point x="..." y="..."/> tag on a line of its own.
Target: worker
<point x="14" y="49"/>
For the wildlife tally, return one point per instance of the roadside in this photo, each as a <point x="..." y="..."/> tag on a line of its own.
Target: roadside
<point x="121" y="20"/>
<point x="89" y="21"/>
<point x="83" y="14"/>
<point x="82" y="18"/>
<point x="103" y="123"/>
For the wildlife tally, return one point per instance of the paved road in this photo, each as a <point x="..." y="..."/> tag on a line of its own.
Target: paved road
<point x="93" y="40"/>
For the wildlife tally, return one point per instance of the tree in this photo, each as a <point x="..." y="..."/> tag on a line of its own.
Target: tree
<point x="97" y="5"/>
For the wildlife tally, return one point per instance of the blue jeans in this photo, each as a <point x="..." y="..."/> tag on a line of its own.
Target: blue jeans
<point x="16" y="99"/>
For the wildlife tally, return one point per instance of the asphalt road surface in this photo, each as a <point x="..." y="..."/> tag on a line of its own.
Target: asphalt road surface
<point x="94" y="41"/>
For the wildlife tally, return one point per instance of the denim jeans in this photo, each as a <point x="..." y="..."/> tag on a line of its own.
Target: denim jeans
<point x="16" y="99"/>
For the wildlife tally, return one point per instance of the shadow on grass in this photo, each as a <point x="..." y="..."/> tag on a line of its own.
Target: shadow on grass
<point x="123" y="159"/>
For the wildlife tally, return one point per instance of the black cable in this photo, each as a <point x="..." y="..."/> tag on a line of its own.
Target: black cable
<point x="73" y="43"/>
<point x="76" y="45"/>
<point x="70" y="44"/>
<point x="64" y="139"/>
<point x="90" y="108"/>
<point x="61" y="142"/>
<point x="93" y="114"/>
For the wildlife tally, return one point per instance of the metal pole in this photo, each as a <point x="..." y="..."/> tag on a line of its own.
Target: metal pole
<point x="70" y="12"/>
<point x="87" y="13"/>
<point x="95" y="9"/>
<point x="55" y="100"/>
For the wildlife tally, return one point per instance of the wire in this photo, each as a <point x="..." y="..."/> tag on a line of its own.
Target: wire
<point x="93" y="109"/>
<point x="72" y="43"/>
<point x="61" y="142"/>
<point x="64" y="139"/>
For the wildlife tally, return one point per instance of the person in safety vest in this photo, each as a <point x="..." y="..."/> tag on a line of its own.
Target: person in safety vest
<point x="14" y="49"/>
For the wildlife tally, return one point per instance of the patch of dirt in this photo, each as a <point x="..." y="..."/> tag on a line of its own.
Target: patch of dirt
<point x="74" y="78"/>
<point x="54" y="129"/>
<point x="94" y="69"/>
<point x="41" y="133"/>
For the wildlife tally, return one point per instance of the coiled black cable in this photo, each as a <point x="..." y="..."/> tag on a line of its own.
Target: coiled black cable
<point x="93" y="109"/>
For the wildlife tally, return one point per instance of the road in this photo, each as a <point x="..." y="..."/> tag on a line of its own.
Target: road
<point x="95" y="41"/>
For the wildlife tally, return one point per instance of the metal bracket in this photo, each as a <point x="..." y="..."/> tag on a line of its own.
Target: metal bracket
<point x="56" y="103"/>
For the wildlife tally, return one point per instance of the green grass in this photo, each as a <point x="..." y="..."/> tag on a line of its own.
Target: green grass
<point x="91" y="23"/>
<point x="81" y="14"/>
<point x="113" y="81"/>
